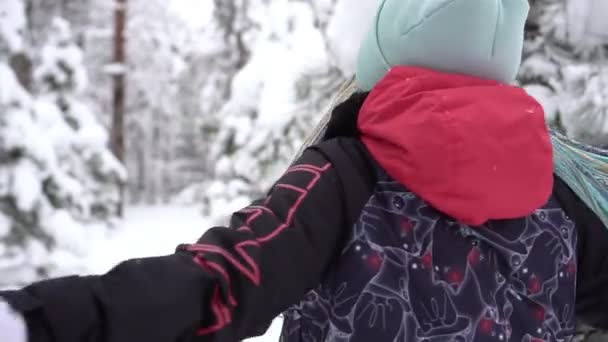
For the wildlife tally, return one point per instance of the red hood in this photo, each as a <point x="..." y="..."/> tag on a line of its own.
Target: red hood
<point x="474" y="149"/>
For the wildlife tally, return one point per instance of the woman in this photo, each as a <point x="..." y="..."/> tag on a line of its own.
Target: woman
<point x="429" y="211"/>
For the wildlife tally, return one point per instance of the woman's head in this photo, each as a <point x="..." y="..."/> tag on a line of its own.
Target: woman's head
<point x="482" y="38"/>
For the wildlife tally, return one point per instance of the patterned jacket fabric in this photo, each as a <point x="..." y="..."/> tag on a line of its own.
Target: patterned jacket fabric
<point x="409" y="273"/>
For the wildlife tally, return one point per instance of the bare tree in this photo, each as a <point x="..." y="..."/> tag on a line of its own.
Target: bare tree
<point x="117" y="139"/>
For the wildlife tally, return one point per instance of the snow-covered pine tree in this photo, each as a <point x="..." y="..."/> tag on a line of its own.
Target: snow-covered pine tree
<point x="224" y="49"/>
<point x="63" y="79"/>
<point x="282" y="77"/>
<point x="191" y="164"/>
<point x="565" y="65"/>
<point x="155" y="105"/>
<point x="40" y="14"/>
<point x="55" y="171"/>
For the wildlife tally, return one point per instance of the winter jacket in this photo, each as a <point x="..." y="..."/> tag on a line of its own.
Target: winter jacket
<point x="374" y="234"/>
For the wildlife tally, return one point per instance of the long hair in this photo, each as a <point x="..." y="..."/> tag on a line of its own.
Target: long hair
<point x="346" y="90"/>
<point x="585" y="170"/>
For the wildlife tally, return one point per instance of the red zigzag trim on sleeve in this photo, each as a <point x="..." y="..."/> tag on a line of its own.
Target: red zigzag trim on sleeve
<point x="249" y="268"/>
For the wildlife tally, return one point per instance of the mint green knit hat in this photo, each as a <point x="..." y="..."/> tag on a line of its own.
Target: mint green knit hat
<point x="482" y="38"/>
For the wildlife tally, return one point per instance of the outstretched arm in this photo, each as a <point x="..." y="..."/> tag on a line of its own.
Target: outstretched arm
<point x="228" y="286"/>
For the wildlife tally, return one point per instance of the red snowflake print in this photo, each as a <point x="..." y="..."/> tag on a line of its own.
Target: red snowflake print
<point x="374" y="261"/>
<point x="455" y="276"/>
<point x="407" y="226"/>
<point x="474" y="257"/>
<point x="486" y="326"/>
<point x="534" y="285"/>
<point x="427" y="261"/>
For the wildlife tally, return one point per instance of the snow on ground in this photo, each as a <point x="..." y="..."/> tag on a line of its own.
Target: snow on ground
<point x="153" y="231"/>
<point x="147" y="231"/>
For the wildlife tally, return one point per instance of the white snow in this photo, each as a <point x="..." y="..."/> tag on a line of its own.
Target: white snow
<point x="73" y="236"/>
<point x="57" y="175"/>
<point x="539" y="66"/>
<point x="597" y="25"/>
<point x="347" y="29"/>
<point x="62" y="59"/>
<point x="26" y="186"/>
<point x="196" y="13"/>
<point x="547" y="98"/>
<point x="153" y="231"/>
<point x="114" y="69"/>
<point x="587" y="21"/>
<point x="5" y="227"/>
<point x="147" y="231"/>
<point x="10" y="89"/>
<point x="12" y="23"/>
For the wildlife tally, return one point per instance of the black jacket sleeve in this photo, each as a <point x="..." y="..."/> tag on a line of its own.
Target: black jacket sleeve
<point x="592" y="273"/>
<point x="228" y="286"/>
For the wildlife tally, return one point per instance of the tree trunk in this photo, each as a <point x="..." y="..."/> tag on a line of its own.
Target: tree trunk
<point x="22" y="66"/>
<point x="118" y="91"/>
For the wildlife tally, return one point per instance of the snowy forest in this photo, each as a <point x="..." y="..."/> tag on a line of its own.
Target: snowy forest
<point x="130" y="120"/>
